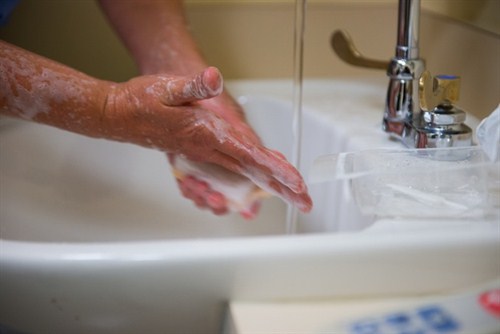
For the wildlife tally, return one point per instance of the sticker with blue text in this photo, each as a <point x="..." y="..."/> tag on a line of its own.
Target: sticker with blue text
<point x="432" y="319"/>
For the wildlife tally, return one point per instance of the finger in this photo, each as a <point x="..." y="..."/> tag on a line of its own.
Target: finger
<point x="216" y="200"/>
<point x="203" y="85"/>
<point x="254" y="162"/>
<point x="220" y="211"/>
<point x="265" y="180"/>
<point x="252" y="211"/>
<point x="202" y="195"/>
<point x="301" y="200"/>
<point x="257" y="160"/>
<point x="279" y="154"/>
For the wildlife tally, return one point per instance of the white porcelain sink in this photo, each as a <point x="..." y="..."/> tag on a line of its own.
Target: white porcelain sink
<point x="97" y="239"/>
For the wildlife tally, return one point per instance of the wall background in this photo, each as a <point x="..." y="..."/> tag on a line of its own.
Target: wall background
<point x="480" y="13"/>
<point x="254" y="39"/>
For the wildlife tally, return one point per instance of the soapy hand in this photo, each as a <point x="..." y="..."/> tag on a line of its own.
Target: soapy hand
<point x="180" y="115"/>
<point x="216" y="188"/>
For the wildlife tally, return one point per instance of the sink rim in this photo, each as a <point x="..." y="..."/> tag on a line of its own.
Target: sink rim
<point x="364" y="241"/>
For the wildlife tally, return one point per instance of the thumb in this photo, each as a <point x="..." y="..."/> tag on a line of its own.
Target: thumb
<point x="203" y="85"/>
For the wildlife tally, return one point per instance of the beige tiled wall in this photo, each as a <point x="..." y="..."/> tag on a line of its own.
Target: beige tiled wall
<point x="254" y="39"/>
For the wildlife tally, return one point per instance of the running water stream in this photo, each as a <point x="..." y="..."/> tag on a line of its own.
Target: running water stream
<point x="298" y="55"/>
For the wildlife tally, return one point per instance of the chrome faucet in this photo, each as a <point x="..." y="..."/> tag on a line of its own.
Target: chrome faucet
<point x="419" y="108"/>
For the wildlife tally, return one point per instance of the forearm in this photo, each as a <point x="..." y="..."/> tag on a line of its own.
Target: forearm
<point x="36" y="88"/>
<point x="157" y="35"/>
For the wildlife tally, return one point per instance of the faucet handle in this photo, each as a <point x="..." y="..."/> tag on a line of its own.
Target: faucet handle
<point x="344" y="47"/>
<point x="438" y="90"/>
<point x="442" y="123"/>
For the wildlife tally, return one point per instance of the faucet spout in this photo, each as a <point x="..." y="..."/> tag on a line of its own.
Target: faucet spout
<point x="408" y="29"/>
<point x="402" y="108"/>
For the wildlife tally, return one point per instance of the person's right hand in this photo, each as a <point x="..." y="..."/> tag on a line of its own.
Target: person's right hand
<point x="164" y="112"/>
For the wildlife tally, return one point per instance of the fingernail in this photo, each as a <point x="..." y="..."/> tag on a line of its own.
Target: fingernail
<point x="306" y="205"/>
<point x="216" y="200"/>
<point x="212" y="80"/>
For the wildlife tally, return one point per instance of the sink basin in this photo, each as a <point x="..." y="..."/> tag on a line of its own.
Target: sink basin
<point x="95" y="236"/>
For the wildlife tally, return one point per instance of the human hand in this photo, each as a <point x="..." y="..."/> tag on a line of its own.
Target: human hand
<point x="177" y="115"/>
<point x="215" y="188"/>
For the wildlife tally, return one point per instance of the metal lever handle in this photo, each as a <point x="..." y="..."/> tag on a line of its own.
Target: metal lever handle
<point x="344" y="47"/>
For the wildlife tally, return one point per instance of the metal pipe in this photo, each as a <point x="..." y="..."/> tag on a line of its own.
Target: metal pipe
<point x="408" y="29"/>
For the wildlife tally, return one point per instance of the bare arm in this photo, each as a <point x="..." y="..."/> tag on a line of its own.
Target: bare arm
<point x="160" y="111"/>
<point x="157" y="35"/>
<point x="36" y="88"/>
<point x="145" y="110"/>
